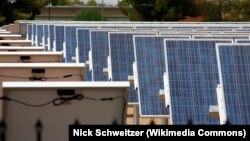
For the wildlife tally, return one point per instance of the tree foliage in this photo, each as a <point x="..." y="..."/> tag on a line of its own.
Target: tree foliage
<point x="158" y="10"/>
<point x="89" y="15"/>
<point x="91" y="3"/>
<point x="226" y="10"/>
<point x="65" y="2"/>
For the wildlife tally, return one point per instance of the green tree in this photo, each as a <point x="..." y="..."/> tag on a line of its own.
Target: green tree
<point x="6" y="12"/>
<point x="31" y="7"/>
<point x="89" y="15"/>
<point x="91" y="3"/>
<point x="212" y="10"/>
<point x="158" y="10"/>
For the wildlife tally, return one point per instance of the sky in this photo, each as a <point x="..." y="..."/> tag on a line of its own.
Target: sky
<point x="108" y="2"/>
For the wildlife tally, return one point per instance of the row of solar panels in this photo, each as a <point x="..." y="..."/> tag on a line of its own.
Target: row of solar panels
<point x="194" y="73"/>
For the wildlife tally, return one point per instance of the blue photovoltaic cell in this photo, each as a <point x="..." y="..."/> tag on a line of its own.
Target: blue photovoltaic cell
<point x="70" y="42"/>
<point x="122" y="58"/>
<point x="193" y="78"/>
<point x="34" y="34"/>
<point x="59" y="38"/>
<point x="100" y="51"/>
<point x="149" y="56"/>
<point x="46" y="35"/>
<point x="29" y="26"/>
<point x="83" y="44"/>
<point x="235" y="68"/>
<point x="39" y="34"/>
<point x="242" y="41"/>
<point x="51" y="36"/>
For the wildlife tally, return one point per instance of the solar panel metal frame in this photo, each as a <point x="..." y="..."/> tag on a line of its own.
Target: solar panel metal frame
<point x="167" y="84"/>
<point x="225" y="98"/>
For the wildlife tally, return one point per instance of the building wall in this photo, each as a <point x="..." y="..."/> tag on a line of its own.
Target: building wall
<point x="112" y="13"/>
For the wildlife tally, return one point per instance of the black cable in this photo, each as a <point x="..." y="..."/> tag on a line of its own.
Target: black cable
<point x="66" y="76"/>
<point x="28" y="61"/>
<point x="33" y="78"/>
<point x="56" y="102"/>
<point x="110" y="99"/>
<point x="61" y="100"/>
<point x="17" y="77"/>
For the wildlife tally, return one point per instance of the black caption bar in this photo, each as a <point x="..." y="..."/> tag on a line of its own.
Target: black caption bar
<point x="80" y="132"/>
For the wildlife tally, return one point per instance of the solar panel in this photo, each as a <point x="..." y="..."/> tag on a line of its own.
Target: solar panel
<point x="234" y="67"/>
<point x="242" y="41"/>
<point x="39" y="34"/>
<point x="83" y="47"/>
<point x="150" y="65"/>
<point x="34" y="34"/>
<point x="29" y="31"/>
<point x="59" y="38"/>
<point x="51" y="37"/>
<point x="99" y="53"/>
<point x="70" y="43"/>
<point x="192" y="77"/>
<point x="46" y="37"/>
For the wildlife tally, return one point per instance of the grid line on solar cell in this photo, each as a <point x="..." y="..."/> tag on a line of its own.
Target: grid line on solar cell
<point x="234" y="63"/>
<point x="99" y="51"/>
<point x="193" y="77"/>
<point x="59" y="38"/>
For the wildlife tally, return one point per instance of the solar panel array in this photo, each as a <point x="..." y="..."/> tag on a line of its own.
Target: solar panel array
<point x="176" y="70"/>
